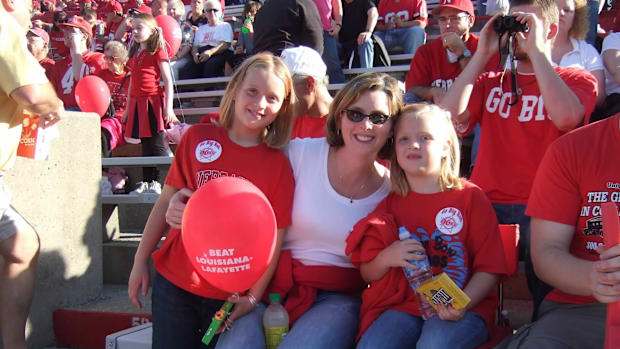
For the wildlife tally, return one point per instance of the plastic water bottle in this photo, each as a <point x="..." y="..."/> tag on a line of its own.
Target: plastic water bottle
<point x="275" y="322"/>
<point x="245" y="30"/>
<point x="418" y="276"/>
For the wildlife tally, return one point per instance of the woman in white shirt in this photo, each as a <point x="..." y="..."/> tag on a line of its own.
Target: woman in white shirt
<point x="212" y="42"/>
<point x="569" y="47"/>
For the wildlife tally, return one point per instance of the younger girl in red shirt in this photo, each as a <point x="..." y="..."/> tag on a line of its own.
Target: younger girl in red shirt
<point x="255" y="121"/>
<point x="149" y="108"/>
<point x="454" y="225"/>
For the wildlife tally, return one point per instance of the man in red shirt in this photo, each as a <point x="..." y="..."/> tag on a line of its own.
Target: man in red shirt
<point x="516" y="130"/>
<point x="401" y="23"/>
<point x="80" y="62"/>
<point x="575" y="177"/>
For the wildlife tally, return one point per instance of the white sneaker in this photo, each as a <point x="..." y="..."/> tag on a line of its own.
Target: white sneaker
<point x="154" y="187"/>
<point x="106" y="186"/>
<point x="141" y="188"/>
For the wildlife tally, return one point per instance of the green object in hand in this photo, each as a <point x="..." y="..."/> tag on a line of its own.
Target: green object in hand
<point x="216" y="322"/>
<point x="245" y="30"/>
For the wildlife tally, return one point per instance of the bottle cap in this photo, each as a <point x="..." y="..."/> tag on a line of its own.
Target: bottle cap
<point x="274" y="297"/>
<point x="403" y="233"/>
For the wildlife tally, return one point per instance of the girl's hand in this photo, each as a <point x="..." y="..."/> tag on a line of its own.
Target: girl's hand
<point x="138" y="280"/>
<point x="249" y="26"/>
<point x="243" y="305"/>
<point x="448" y="313"/>
<point x="171" y="118"/>
<point x="397" y="254"/>
<point x="176" y="206"/>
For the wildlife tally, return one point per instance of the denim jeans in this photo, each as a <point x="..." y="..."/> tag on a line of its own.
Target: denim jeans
<point x="366" y="52"/>
<point x="331" y="322"/>
<point x="408" y="38"/>
<point x="180" y="317"/>
<point x="394" y="329"/>
<point x="515" y="214"/>
<point x="331" y="58"/>
<point x="184" y="68"/>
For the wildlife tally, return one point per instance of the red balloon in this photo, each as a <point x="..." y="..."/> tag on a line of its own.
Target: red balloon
<point x="229" y="233"/>
<point x="92" y="95"/>
<point x="172" y="33"/>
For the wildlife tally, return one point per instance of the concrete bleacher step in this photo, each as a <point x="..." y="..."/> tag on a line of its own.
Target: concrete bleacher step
<point x="118" y="257"/>
<point x="86" y="326"/>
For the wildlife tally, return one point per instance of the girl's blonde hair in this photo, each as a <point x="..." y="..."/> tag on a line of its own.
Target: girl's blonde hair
<point x="277" y="134"/>
<point x="350" y="93"/>
<point x="449" y="173"/>
<point x="154" y="42"/>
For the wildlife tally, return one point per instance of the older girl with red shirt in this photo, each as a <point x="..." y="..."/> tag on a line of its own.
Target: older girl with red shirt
<point x="149" y="108"/>
<point x="255" y="122"/>
<point x="453" y="224"/>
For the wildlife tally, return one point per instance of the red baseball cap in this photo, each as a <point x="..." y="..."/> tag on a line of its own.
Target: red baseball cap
<point x="78" y="22"/>
<point x="143" y="9"/>
<point x="461" y="5"/>
<point x="114" y="6"/>
<point x="40" y="33"/>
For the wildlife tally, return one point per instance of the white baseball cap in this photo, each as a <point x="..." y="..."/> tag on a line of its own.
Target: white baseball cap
<point x="303" y="60"/>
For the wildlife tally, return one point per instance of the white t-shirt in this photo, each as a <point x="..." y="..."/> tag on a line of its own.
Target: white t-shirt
<point x="213" y="35"/>
<point x="322" y="218"/>
<point x="611" y="42"/>
<point x="583" y="56"/>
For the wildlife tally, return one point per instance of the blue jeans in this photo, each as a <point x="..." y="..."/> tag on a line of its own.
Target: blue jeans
<point x="331" y="58"/>
<point x="394" y="329"/>
<point x="184" y="68"/>
<point x="408" y="38"/>
<point x="366" y="52"/>
<point x="331" y="322"/>
<point x="515" y="214"/>
<point x="180" y="317"/>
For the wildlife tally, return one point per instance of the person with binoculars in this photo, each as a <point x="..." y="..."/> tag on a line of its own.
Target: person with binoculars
<point x="522" y="110"/>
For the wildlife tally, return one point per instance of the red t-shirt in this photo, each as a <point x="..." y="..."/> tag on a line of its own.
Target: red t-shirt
<point x="72" y="10"/>
<point x="407" y="10"/>
<point x="57" y="41"/>
<point x="119" y="97"/>
<point x="459" y="231"/>
<point x="110" y="30"/>
<point x="514" y="138"/>
<point x="145" y="73"/>
<point x="579" y="172"/>
<point x="47" y="64"/>
<point x="62" y="75"/>
<point x="307" y="127"/>
<point x="204" y="153"/>
<point x="430" y="66"/>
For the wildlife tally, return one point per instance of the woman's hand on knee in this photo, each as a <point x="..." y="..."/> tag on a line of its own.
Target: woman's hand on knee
<point x="174" y="214"/>
<point x="243" y="305"/>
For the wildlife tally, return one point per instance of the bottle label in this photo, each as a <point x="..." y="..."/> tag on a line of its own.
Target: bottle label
<point x="274" y="336"/>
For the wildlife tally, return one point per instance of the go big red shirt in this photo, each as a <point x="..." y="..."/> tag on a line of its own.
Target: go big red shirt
<point x="204" y="153"/>
<point x="579" y="172"/>
<point x="64" y="81"/>
<point x="514" y="138"/>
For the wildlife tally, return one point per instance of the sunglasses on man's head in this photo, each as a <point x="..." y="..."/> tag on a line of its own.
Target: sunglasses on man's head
<point x="375" y="118"/>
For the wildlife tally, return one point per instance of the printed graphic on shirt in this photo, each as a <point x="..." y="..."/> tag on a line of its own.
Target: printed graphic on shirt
<point x="208" y="151"/>
<point x="532" y="106"/>
<point x="445" y="84"/>
<point x="206" y="175"/>
<point x="593" y="229"/>
<point x="447" y="252"/>
<point x="449" y="220"/>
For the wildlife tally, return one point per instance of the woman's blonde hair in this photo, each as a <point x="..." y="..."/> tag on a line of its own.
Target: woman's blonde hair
<point x="277" y="134"/>
<point x="581" y="21"/>
<point x="119" y="50"/>
<point x="178" y="4"/>
<point x="350" y="93"/>
<point x="449" y="173"/>
<point x="154" y="42"/>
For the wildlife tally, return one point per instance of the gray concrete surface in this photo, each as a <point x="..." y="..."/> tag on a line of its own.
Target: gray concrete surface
<point x="60" y="198"/>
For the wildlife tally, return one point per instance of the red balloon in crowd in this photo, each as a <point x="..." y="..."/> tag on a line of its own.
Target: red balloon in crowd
<point x="92" y="95"/>
<point x="229" y="231"/>
<point x="172" y="33"/>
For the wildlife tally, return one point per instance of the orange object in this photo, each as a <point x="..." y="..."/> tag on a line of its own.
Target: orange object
<point x="611" y="236"/>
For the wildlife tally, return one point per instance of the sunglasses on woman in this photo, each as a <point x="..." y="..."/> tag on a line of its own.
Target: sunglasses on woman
<point x="375" y="118"/>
